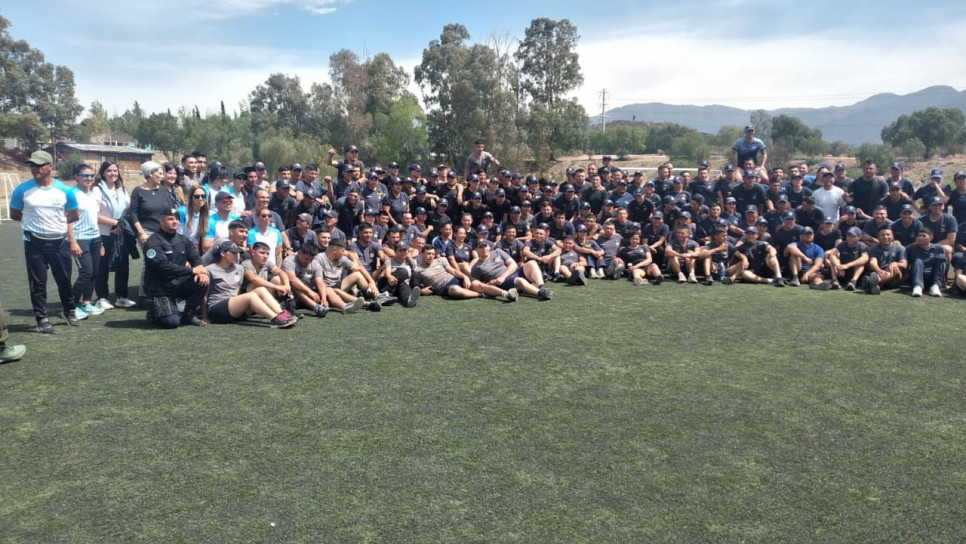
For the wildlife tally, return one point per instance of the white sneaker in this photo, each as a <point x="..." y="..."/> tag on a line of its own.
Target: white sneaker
<point x="104" y="304"/>
<point x="123" y="302"/>
<point x="917" y="291"/>
<point x="934" y="291"/>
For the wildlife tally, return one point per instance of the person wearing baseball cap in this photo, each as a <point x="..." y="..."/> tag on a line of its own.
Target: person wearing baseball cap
<point x="748" y="147"/>
<point x="942" y="224"/>
<point x="45" y="206"/>
<point x="957" y="197"/>
<point x="848" y="259"/>
<point x="928" y="262"/>
<point x="350" y="158"/>
<point x="930" y="191"/>
<point x="806" y="260"/>
<point x="167" y="278"/>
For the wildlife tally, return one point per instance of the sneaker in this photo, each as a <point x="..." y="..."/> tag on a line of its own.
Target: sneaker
<point x="354" y="306"/>
<point x="794" y="282"/>
<point x="45" y="327"/>
<point x="413" y="298"/>
<point x="727" y="280"/>
<point x="558" y="278"/>
<point x="10" y="354"/>
<point x="544" y="293"/>
<point x="104" y="304"/>
<point x="835" y="285"/>
<point x="864" y="283"/>
<point x="682" y="279"/>
<point x="504" y="297"/>
<point x="707" y="280"/>
<point x="193" y="320"/>
<point x="692" y="279"/>
<point x="374" y="306"/>
<point x="283" y="320"/>
<point x="512" y="294"/>
<point x="321" y="310"/>
<point x="935" y="291"/>
<point x="850" y="286"/>
<point x="90" y="309"/>
<point x="578" y="278"/>
<point x="79" y="314"/>
<point x="917" y="291"/>
<point x="72" y="319"/>
<point x="123" y="302"/>
<point x="618" y="271"/>
<point x="657" y="280"/>
<point x="873" y="284"/>
<point x="600" y="274"/>
<point x="611" y="269"/>
<point x="820" y="286"/>
<point x="640" y="281"/>
<point x="778" y="282"/>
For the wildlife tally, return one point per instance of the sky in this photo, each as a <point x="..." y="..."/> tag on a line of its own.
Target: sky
<point x="750" y="54"/>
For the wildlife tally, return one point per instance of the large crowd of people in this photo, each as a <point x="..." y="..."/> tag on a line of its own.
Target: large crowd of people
<point x="220" y="246"/>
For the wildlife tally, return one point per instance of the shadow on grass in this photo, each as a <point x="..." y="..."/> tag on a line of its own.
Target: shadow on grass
<point x="141" y="324"/>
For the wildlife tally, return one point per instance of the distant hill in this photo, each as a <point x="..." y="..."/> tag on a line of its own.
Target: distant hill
<point x="857" y="124"/>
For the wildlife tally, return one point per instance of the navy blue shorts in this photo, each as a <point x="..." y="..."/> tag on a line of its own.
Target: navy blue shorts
<point x="445" y="289"/>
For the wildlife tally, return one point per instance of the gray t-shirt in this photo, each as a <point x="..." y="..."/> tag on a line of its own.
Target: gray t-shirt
<point x="225" y="282"/>
<point x="434" y="276"/>
<point x="332" y="271"/>
<point x="492" y="267"/>
<point x="305" y="274"/>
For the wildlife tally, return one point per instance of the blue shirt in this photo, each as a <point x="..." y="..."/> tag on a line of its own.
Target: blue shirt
<point x="748" y="150"/>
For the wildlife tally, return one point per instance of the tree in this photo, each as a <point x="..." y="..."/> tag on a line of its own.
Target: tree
<point x="934" y="127"/>
<point x="913" y="148"/>
<point x="661" y="135"/>
<point x="726" y="137"/>
<point x="882" y="155"/>
<point x="762" y="122"/>
<point x="690" y="147"/>
<point x="161" y="131"/>
<point x="549" y="69"/>
<point x="33" y="90"/>
<point x="790" y="135"/>
<point x="461" y="87"/>
<point x="279" y="102"/>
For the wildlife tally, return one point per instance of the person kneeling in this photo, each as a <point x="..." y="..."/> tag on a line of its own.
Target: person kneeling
<point x="226" y="303"/>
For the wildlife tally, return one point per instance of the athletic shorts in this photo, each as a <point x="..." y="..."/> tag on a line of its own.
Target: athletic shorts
<point x="445" y="289"/>
<point x="218" y="313"/>
<point x="508" y="283"/>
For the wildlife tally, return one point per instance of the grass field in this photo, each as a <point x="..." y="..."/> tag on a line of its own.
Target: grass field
<point x="610" y="414"/>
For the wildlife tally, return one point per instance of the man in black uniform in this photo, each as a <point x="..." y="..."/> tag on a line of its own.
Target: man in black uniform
<point x="173" y="270"/>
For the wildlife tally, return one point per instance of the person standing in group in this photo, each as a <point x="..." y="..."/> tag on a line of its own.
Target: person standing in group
<point x="85" y="240"/>
<point x="44" y="206"/>
<point x="147" y="202"/>
<point x="114" y="201"/>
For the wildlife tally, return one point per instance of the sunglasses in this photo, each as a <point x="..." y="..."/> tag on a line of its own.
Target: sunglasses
<point x="86" y="176"/>
<point x="199" y="197"/>
<point x="265" y="215"/>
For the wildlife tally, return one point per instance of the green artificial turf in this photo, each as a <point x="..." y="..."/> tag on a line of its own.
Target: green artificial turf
<point x="613" y="413"/>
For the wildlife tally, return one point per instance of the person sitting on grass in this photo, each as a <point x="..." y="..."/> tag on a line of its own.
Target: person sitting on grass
<point x="226" y="301"/>
<point x="306" y="279"/>
<point x="887" y="262"/>
<point x="259" y="273"/>
<point x="397" y="278"/>
<point x="495" y="268"/>
<point x="927" y="263"/>
<point x="959" y="275"/>
<point x="721" y="259"/>
<point x="637" y="262"/>
<point x="805" y="261"/>
<point x="341" y="274"/>
<point x="762" y="260"/>
<point x="847" y="260"/>
<point x="543" y="251"/>
<point x="436" y="277"/>
<point x="572" y="263"/>
<point x="682" y="255"/>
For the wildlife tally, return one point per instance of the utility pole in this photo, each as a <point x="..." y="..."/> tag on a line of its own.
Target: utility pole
<point x="603" y="105"/>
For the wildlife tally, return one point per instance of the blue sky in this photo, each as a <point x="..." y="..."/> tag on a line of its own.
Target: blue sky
<point x="744" y="53"/>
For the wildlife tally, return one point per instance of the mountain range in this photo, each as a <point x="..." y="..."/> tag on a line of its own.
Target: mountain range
<point x="856" y="124"/>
